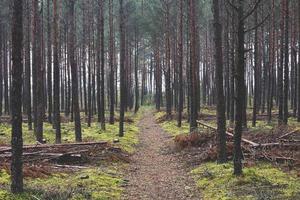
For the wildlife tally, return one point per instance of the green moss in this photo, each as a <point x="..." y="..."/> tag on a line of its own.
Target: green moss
<point x="87" y="184"/>
<point x="260" y="182"/>
<point x="4" y="177"/>
<point x="171" y="126"/>
<point x="93" y="133"/>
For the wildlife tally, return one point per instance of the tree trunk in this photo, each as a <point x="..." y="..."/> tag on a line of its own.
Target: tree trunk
<point x="56" y="75"/>
<point x="73" y="64"/>
<point x="111" y="64"/>
<point x="240" y="91"/>
<point x="122" y="70"/>
<point x="37" y="64"/>
<point x="16" y="98"/>
<point x="221" y="119"/>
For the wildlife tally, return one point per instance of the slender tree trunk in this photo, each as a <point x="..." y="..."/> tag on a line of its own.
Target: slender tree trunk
<point x="16" y="98"/>
<point x="193" y="65"/>
<point x="111" y="64"/>
<point x="102" y="99"/>
<point x="73" y="64"/>
<point x="136" y="65"/>
<point x="180" y="66"/>
<point x="56" y="75"/>
<point x="221" y="118"/>
<point x="255" y="98"/>
<point x="122" y="69"/>
<point x="286" y="65"/>
<point x="280" y="67"/>
<point x="240" y="91"/>
<point x="49" y="64"/>
<point x="28" y="67"/>
<point x="39" y="71"/>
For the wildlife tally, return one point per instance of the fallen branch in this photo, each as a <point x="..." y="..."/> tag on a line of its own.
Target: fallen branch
<point x="289" y="133"/>
<point x="229" y="134"/>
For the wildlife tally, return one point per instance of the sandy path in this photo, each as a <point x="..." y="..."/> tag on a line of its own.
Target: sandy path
<point x="156" y="174"/>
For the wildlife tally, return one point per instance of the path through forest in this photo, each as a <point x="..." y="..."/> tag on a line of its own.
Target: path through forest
<point x="155" y="172"/>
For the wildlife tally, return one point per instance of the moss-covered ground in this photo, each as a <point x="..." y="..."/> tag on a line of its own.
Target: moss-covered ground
<point x="103" y="182"/>
<point x="170" y="126"/>
<point x="262" y="181"/>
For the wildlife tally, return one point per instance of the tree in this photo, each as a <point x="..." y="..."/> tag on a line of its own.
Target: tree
<point x="111" y="64"/>
<point x="193" y="65"/>
<point x="286" y="63"/>
<point x="38" y="74"/>
<point x="122" y="70"/>
<point x="49" y="63"/>
<point x="180" y="65"/>
<point x="16" y="98"/>
<point x="73" y="65"/>
<point x="221" y="119"/>
<point x="56" y="76"/>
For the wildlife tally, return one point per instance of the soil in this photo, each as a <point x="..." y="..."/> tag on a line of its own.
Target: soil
<point x="156" y="173"/>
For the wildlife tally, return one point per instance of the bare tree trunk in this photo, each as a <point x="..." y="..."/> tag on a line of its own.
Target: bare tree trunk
<point x="16" y="98"/>
<point x="122" y="70"/>
<point x="180" y="66"/>
<point x="193" y="65"/>
<point x="49" y="63"/>
<point x="37" y="63"/>
<point x="56" y="75"/>
<point x="73" y="64"/>
<point x="221" y="118"/>
<point x="111" y="64"/>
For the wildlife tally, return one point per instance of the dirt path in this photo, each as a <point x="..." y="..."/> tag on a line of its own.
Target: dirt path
<point x="155" y="173"/>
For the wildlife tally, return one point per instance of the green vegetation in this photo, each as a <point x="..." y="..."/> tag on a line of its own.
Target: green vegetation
<point x="170" y="126"/>
<point x="93" y="133"/>
<point x="87" y="184"/>
<point x="103" y="183"/>
<point x="260" y="182"/>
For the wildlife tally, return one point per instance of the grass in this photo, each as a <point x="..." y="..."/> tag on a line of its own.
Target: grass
<point x="260" y="182"/>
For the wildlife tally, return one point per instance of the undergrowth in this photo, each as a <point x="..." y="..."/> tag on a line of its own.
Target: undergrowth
<point x="170" y="126"/>
<point x="103" y="183"/>
<point x="260" y="182"/>
<point x="91" y="184"/>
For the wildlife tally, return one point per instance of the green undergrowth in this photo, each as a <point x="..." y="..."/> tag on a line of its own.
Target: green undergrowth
<point x="90" y="184"/>
<point x="103" y="183"/>
<point x="260" y="182"/>
<point x="93" y="133"/>
<point x="171" y="127"/>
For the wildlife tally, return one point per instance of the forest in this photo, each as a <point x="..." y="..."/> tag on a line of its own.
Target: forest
<point x="149" y="99"/>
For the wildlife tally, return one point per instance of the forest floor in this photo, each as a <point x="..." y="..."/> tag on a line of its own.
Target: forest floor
<point x="156" y="172"/>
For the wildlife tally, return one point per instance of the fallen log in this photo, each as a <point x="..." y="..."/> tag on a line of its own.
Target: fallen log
<point x="229" y="134"/>
<point x="43" y="146"/>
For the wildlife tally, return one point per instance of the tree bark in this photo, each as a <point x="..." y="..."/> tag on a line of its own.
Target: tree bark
<point x="73" y="64"/>
<point x="16" y="98"/>
<point x="221" y="118"/>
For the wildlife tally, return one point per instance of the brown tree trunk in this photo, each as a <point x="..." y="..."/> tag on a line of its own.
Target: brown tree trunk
<point x="221" y="119"/>
<point x="56" y="75"/>
<point x="16" y="98"/>
<point x="73" y="65"/>
<point x="122" y="70"/>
